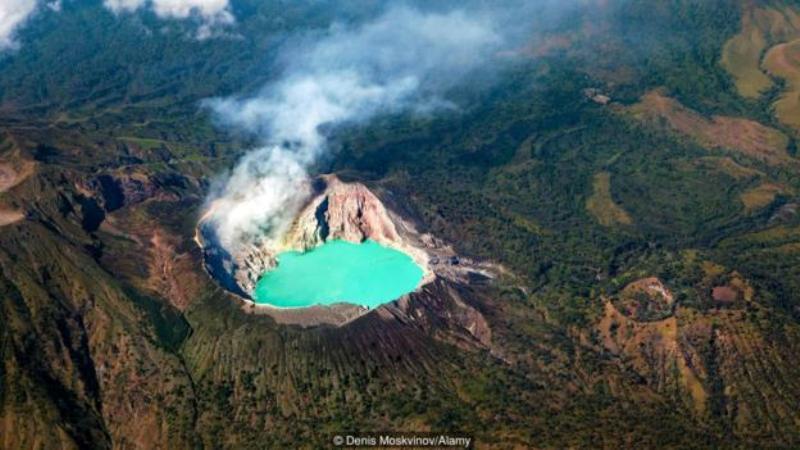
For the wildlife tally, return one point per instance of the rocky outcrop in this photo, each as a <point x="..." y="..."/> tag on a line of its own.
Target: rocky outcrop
<point x="351" y="212"/>
<point x="251" y="262"/>
<point x="347" y="211"/>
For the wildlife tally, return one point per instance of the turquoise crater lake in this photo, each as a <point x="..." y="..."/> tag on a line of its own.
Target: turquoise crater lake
<point x="366" y="274"/>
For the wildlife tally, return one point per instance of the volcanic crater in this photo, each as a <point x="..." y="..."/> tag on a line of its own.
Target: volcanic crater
<point x="350" y="212"/>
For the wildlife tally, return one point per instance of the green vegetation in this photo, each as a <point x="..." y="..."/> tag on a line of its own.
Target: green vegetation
<point x="602" y="206"/>
<point x="574" y="199"/>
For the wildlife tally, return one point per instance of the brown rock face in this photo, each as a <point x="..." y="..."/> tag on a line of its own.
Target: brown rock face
<point x="351" y="212"/>
<point x="346" y="211"/>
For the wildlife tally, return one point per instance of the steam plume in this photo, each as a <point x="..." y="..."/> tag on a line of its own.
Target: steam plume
<point x="401" y="61"/>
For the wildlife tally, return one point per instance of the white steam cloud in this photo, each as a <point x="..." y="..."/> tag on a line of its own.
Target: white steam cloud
<point x="212" y="13"/>
<point x="401" y="61"/>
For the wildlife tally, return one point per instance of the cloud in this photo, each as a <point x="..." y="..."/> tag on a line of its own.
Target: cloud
<point x="212" y="13"/>
<point x="13" y="13"/>
<point x="402" y="61"/>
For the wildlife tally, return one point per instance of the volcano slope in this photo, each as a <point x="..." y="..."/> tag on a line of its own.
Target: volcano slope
<point x="114" y="335"/>
<point x="678" y="328"/>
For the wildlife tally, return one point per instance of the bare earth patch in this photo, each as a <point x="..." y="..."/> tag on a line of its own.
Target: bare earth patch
<point x="761" y="196"/>
<point x="727" y="166"/>
<point x="736" y="288"/>
<point x="339" y="313"/>
<point x="602" y="206"/>
<point x="783" y="61"/>
<point x="724" y="294"/>
<point x="7" y="217"/>
<point x="654" y="350"/>
<point x="735" y="134"/>
<point x="172" y="273"/>
<point x="760" y="28"/>
<point x="741" y="56"/>
<point x="7" y="177"/>
<point x="14" y="174"/>
<point x="767" y="44"/>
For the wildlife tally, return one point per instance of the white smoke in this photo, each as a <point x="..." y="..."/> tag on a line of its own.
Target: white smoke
<point x="212" y="13"/>
<point x="401" y="61"/>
